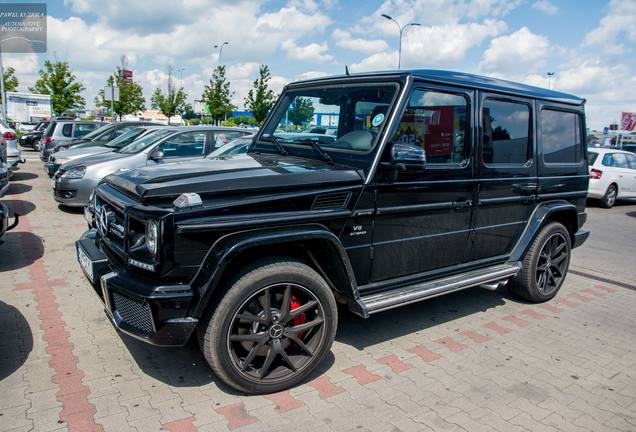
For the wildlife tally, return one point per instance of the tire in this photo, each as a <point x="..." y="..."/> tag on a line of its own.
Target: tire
<point x="609" y="199"/>
<point x="528" y="284"/>
<point x="223" y="337"/>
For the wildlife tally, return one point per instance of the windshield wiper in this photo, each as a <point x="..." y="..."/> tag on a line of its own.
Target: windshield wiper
<point x="323" y="154"/>
<point x="279" y="146"/>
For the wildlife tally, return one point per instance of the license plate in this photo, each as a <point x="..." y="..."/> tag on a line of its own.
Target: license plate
<point x="85" y="263"/>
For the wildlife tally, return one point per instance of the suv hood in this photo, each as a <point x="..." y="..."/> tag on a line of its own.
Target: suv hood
<point x="74" y="153"/>
<point x="239" y="173"/>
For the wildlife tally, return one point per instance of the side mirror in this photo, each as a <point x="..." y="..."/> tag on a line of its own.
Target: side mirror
<point x="408" y="156"/>
<point x="156" y="155"/>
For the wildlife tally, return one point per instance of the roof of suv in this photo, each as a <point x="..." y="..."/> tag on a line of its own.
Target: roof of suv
<point x="467" y="80"/>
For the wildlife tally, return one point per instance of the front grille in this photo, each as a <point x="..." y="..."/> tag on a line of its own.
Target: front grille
<point x="111" y="223"/>
<point x="135" y="313"/>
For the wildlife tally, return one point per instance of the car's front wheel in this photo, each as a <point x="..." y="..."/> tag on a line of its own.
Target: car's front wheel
<point x="271" y="328"/>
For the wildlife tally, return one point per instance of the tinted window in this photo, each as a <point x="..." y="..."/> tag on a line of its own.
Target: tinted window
<point x="560" y="136"/>
<point x="437" y="122"/>
<point x="84" y="128"/>
<point x="187" y="144"/>
<point x="592" y="157"/>
<point x="67" y="130"/>
<point x="506" y="128"/>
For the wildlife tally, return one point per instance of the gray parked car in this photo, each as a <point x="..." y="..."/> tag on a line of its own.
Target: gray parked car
<point x="61" y="131"/>
<point x="61" y="157"/>
<point x="74" y="181"/>
<point x="4" y="178"/>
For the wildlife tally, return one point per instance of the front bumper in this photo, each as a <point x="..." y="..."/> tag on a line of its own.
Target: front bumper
<point x="137" y="306"/>
<point x="51" y="168"/>
<point x="72" y="192"/>
<point x="580" y="237"/>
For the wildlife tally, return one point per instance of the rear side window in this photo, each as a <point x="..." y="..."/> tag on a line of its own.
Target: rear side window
<point x="591" y="156"/>
<point x="616" y="160"/>
<point x="631" y="161"/>
<point x="67" y="130"/>
<point x="506" y="127"/>
<point x="82" y="129"/>
<point x="48" y="132"/>
<point x="560" y="136"/>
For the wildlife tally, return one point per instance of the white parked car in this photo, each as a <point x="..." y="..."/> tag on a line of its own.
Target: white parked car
<point x="10" y="144"/>
<point x="612" y="175"/>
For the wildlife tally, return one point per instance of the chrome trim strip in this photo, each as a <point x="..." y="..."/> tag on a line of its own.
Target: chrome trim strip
<point x="387" y="129"/>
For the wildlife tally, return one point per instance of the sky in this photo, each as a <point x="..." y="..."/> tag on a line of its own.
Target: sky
<point x="590" y="45"/>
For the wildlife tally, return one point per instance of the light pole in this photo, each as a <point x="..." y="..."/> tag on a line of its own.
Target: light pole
<point x="221" y="51"/>
<point x="550" y="75"/>
<point x="4" y="97"/>
<point x="401" y="32"/>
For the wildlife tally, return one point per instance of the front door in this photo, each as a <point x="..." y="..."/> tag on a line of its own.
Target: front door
<point x="184" y="146"/>
<point x="423" y="215"/>
<point x="507" y="176"/>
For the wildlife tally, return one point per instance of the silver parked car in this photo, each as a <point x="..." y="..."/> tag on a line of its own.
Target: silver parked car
<point x="74" y="181"/>
<point x="60" y="158"/>
<point x="61" y="131"/>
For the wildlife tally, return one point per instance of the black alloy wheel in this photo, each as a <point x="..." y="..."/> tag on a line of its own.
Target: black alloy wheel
<point x="552" y="264"/>
<point x="275" y="333"/>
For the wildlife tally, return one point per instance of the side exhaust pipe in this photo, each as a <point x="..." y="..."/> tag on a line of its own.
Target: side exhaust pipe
<point x="493" y="286"/>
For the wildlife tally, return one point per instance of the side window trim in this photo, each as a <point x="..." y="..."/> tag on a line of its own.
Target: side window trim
<point x="582" y="144"/>
<point x="531" y="130"/>
<point x="468" y="96"/>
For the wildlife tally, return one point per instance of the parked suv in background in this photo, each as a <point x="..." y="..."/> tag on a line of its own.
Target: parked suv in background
<point x="61" y="131"/>
<point x="612" y="175"/>
<point x="104" y="134"/>
<point x="434" y="182"/>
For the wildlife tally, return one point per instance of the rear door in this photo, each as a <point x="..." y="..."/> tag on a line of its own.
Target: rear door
<point x="507" y="175"/>
<point x="631" y="163"/>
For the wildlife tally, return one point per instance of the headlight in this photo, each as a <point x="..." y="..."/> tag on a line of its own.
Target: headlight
<point x="75" y="173"/>
<point x="152" y="236"/>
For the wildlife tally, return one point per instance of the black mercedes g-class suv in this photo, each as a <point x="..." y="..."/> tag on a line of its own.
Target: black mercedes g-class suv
<point x="429" y="182"/>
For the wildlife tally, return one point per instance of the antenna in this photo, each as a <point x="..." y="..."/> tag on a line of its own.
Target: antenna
<point x="347" y="70"/>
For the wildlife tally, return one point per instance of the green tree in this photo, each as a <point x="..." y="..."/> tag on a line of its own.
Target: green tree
<point x="58" y="80"/>
<point x="300" y="111"/>
<point x="172" y="103"/>
<point x="10" y="80"/>
<point x="131" y="98"/>
<point x="218" y="96"/>
<point x="260" y="99"/>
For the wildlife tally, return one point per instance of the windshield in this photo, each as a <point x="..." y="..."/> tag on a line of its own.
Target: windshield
<point x="145" y="141"/>
<point x="126" y="138"/>
<point x="337" y="118"/>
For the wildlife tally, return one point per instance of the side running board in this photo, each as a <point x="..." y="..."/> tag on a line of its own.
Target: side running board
<point x="386" y="300"/>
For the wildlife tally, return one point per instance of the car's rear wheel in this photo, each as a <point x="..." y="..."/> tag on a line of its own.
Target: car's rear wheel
<point x="609" y="199"/>
<point x="271" y="328"/>
<point x="545" y="265"/>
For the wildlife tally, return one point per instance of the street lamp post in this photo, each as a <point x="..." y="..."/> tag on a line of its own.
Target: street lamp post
<point x="550" y="75"/>
<point x="4" y="96"/>
<point x="401" y="32"/>
<point x="221" y="51"/>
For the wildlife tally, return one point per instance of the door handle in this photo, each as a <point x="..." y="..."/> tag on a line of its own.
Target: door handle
<point x="462" y="204"/>
<point x="528" y="187"/>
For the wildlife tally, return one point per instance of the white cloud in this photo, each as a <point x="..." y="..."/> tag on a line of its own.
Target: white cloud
<point x="378" y="61"/>
<point x="546" y="6"/>
<point x="368" y="46"/>
<point x="313" y="52"/>
<point x="517" y="51"/>
<point x="439" y="46"/>
<point x="616" y="29"/>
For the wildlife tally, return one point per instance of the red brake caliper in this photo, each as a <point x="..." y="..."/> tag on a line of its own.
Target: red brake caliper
<point x="300" y="319"/>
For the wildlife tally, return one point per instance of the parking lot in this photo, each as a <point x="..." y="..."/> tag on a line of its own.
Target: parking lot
<point x="471" y="361"/>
